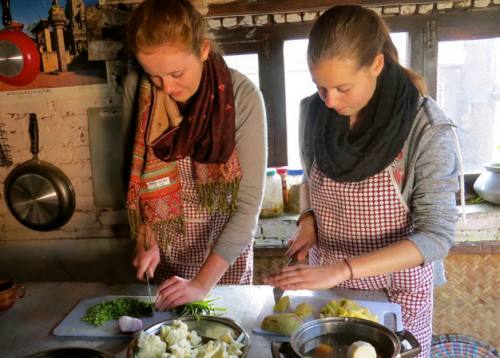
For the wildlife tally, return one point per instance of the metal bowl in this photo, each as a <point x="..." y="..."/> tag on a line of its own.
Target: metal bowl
<point x="341" y="332"/>
<point x="208" y="327"/>
<point x="74" y="352"/>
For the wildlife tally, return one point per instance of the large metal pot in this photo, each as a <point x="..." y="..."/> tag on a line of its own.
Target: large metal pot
<point x="206" y="326"/>
<point x="340" y="332"/>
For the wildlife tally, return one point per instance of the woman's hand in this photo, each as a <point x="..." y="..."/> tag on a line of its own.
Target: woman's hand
<point x="146" y="260"/>
<point x="304" y="239"/>
<point x="302" y="277"/>
<point x="177" y="291"/>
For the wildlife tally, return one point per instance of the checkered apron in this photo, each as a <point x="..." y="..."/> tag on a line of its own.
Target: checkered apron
<point x="358" y="217"/>
<point x="187" y="252"/>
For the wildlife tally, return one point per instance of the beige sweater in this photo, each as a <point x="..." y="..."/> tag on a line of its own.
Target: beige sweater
<point x="251" y="144"/>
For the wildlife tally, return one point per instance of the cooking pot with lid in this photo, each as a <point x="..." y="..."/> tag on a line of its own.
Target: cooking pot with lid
<point x="340" y="332"/>
<point x="19" y="57"/>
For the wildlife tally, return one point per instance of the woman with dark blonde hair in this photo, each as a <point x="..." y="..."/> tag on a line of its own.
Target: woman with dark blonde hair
<point x="381" y="168"/>
<point x="199" y="156"/>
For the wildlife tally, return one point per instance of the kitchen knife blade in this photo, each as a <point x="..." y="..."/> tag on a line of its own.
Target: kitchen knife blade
<point x="149" y="289"/>
<point x="278" y="292"/>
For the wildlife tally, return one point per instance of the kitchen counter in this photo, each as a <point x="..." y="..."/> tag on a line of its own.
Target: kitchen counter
<point x="27" y="327"/>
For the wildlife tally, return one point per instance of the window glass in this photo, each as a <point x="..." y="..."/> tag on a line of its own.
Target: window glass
<point x="248" y="64"/>
<point x="298" y="85"/>
<point x="468" y="90"/>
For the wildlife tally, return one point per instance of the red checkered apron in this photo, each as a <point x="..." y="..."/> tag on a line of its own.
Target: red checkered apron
<point x="186" y="253"/>
<point x="359" y="217"/>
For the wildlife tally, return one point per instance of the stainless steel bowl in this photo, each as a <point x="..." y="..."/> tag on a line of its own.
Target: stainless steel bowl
<point x="208" y="327"/>
<point x="74" y="352"/>
<point x="340" y="332"/>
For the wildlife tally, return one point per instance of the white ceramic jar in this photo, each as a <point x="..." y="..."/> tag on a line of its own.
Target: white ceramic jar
<point x="487" y="185"/>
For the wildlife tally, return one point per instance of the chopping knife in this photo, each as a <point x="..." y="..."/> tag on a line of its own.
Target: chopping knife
<point x="278" y="292"/>
<point x="149" y="291"/>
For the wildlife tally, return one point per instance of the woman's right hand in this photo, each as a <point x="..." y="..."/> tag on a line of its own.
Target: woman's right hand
<point x="304" y="239"/>
<point x="146" y="260"/>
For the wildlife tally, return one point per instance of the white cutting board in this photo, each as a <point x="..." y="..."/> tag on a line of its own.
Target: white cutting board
<point x="388" y="313"/>
<point x="73" y="326"/>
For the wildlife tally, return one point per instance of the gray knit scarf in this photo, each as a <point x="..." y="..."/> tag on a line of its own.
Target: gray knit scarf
<point x="351" y="155"/>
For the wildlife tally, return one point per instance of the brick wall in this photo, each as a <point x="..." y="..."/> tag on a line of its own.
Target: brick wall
<point x="64" y="142"/>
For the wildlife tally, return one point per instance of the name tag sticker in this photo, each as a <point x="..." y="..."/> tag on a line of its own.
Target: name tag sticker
<point x="159" y="183"/>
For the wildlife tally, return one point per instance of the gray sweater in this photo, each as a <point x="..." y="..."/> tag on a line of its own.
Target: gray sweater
<point x="251" y="144"/>
<point x="431" y="172"/>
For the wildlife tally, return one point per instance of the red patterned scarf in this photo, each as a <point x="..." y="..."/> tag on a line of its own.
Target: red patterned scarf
<point x="206" y="134"/>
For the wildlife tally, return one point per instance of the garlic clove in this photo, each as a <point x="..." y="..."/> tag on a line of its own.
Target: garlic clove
<point x="129" y="324"/>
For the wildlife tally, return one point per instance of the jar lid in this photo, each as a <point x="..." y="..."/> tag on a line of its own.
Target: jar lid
<point x="281" y="170"/>
<point x="295" y="172"/>
<point x="270" y="172"/>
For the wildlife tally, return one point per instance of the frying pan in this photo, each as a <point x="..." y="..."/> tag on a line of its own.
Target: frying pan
<point x="340" y="332"/>
<point x="19" y="58"/>
<point x="38" y="194"/>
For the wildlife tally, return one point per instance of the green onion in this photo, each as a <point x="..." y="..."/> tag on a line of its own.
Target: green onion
<point x="123" y="306"/>
<point x="198" y="308"/>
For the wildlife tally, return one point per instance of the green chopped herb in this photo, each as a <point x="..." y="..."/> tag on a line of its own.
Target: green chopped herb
<point x="123" y="306"/>
<point x="198" y="308"/>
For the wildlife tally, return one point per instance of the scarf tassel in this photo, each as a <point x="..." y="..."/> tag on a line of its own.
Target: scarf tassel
<point x="214" y="196"/>
<point x="175" y="225"/>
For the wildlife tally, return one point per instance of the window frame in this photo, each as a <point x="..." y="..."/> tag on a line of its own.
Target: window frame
<point x="424" y="32"/>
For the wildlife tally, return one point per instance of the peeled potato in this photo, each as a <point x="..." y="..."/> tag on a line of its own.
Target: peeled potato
<point x="361" y="349"/>
<point x="282" y="323"/>
<point x="304" y="309"/>
<point x="282" y="305"/>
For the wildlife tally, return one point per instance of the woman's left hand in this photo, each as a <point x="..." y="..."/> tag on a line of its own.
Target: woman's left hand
<point x="301" y="277"/>
<point x="177" y="291"/>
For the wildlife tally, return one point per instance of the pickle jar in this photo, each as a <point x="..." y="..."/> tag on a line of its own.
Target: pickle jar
<point x="282" y="171"/>
<point x="294" y="181"/>
<point x="272" y="205"/>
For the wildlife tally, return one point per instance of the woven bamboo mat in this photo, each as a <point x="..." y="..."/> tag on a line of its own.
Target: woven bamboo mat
<point x="468" y="304"/>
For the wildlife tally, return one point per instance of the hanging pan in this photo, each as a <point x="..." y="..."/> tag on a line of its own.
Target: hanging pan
<point x="19" y="58"/>
<point x="38" y="194"/>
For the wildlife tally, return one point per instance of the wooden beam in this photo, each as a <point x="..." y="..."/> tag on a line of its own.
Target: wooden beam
<point x="259" y="7"/>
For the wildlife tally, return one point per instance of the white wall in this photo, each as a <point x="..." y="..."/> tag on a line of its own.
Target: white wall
<point x="64" y="142"/>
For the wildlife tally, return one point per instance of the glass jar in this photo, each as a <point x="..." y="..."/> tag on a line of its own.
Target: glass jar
<point x="282" y="171"/>
<point x="272" y="205"/>
<point x="294" y="181"/>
